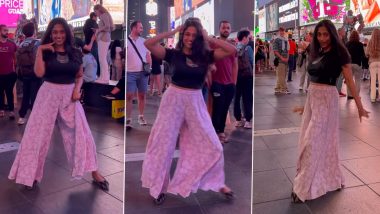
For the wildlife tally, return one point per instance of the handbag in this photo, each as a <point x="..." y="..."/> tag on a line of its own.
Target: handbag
<point x="146" y="66"/>
<point x="276" y="61"/>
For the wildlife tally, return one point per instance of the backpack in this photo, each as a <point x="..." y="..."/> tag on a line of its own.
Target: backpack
<point x="25" y="60"/>
<point x="245" y="68"/>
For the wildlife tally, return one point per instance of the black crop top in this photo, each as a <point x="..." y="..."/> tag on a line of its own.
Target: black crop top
<point x="59" y="68"/>
<point x="327" y="67"/>
<point x="187" y="74"/>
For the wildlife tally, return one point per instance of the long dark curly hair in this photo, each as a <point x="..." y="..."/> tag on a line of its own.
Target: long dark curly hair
<point x="337" y="46"/>
<point x="200" y="47"/>
<point x="73" y="53"/>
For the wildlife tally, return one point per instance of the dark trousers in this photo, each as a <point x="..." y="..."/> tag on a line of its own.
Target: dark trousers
<point x="244" y="89"/>
<point x="30" y="88"/>
<point x="94" y="52"/>
<point x="222" y="96"/>
<point x="7" y="82"/>
<point x="291" y="62"/>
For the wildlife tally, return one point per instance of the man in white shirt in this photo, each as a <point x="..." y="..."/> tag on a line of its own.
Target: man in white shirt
<point x="137" y="81"/>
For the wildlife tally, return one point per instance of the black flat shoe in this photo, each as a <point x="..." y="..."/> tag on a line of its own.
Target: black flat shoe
<point x="34" y="186"/>
<point x="228" y="195"/>
<point x="160" y="199"/>
<point x="295" y="198"/>
<point x="103" y="185"/>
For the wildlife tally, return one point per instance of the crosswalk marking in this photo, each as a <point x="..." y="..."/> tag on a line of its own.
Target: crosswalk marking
<point x="6" y="147"/>
<point x="267" y="132"/>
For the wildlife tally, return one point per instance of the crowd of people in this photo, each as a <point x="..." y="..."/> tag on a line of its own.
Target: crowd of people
<point x="285" y="56"/>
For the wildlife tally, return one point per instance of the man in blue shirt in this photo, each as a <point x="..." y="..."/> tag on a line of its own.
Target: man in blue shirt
<point x="244" y="85"/>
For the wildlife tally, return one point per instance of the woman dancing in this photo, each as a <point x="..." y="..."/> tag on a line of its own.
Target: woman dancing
<point x="318" y="166"/>
<point x="183" y="112"/>
<point x="60" y="64"/>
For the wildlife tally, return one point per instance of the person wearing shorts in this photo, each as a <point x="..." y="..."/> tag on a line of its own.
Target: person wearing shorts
<point x="137" y="81"/>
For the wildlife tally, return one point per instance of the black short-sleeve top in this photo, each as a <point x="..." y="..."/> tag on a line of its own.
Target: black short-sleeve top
<point x="60" y="69"/>
<point x="186" y="73"/>
<point x="326" y="68"/>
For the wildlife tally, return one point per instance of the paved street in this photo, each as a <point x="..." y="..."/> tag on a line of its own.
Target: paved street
<point x="238" y="153"/>
<point x="275" y="153"/>
<point x="57" y="193"/>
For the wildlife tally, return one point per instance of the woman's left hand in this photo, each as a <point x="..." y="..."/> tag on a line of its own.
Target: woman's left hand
<point x="76" y="95"/>
<point x="363" y="113"/>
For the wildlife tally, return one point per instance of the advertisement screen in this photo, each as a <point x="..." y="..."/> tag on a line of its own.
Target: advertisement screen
<point x="71" y="10"/>
<point x="196" y="3"/>
<point x="272" y="17"/>
<point x="178" y="7"/>
<point x="182" y="6"/>
<point x="262" y="21"/>
<point x="10" y="11"/>
<point x="370" y="10"/>
<point x="312" y="11"/>
<point x="206" y="14"/>
<point x="288" y="13"/>
<point x="116" y="9"/>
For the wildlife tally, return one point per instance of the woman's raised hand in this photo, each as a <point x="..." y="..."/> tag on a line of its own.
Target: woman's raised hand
<point x="47" y="47"/>
<point x="178" y="29"/>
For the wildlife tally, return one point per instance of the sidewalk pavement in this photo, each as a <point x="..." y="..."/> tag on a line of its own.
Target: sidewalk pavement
<point x="58" y="193"/>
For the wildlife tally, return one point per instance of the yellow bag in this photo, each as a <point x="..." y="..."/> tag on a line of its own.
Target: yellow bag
<point x="118" y="107"/>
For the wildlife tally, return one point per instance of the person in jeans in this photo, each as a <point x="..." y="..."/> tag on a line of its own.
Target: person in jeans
<point x="89" y="29"/>
<point x="244" y="84"/>
<point x="280" y="49"/>
<point x="356" y="50"/>
<point x="137" y="80"/>
<point x="223" y="85"/>
<point x="8" y="75"/>
<point x="291" y="61"/>
<point x="25" y="64"/>
<point x="304" y="49"/>
<point x="373" y="51"/>
<point x="103" y="36"/>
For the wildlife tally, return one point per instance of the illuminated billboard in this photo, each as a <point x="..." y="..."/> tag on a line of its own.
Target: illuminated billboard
<point x="262" y="21"/>
<point x="272" y="17"/>
<point x="370" y="11"/>
<point x="72" y="10"/>
<point x="182" y="6"/>
<point x="10" y="12"/>
<point x="206" y="14"/>
<point x="116" y="9"/>
<point x="312" y="11"/>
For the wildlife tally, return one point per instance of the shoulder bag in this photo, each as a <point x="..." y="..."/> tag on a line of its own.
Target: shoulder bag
<point x="146" y="66"/>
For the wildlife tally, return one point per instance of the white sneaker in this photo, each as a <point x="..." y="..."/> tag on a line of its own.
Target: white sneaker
<point x="128" y="124"/>
<point x="2" y="113"/>
<point x="248" y="125"/>
<point x="11" y="115"/>
<point x="21" y="121"/>
<point x="141" y="120"/>
<point x="300" y="88"/>
<point x="285" y="91"/>
<point x="239" y="123"/>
